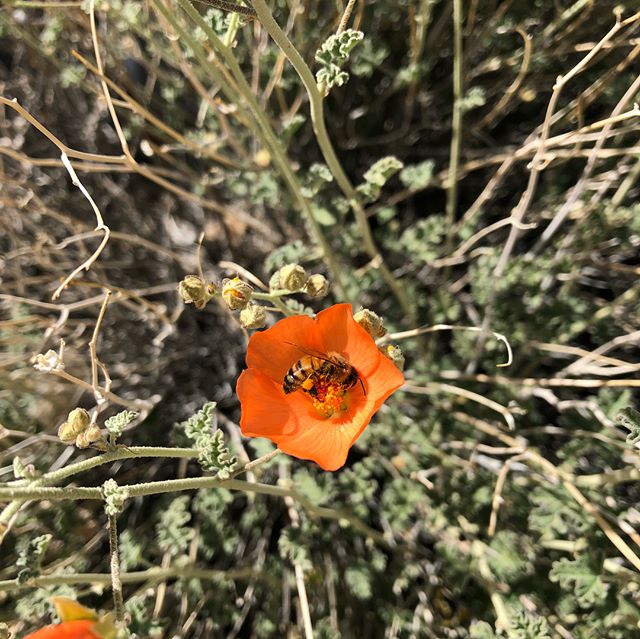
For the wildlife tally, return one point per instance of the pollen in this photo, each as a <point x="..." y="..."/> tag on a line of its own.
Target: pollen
<point x="328" y="397"/>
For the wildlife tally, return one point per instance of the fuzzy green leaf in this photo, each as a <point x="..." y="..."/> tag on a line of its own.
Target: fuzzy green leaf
<point x="172" y="531"/>
<point x="214" y="455"/>
<point x="580" y="576"/>
<point x="117" y="423"/>
<point x="630" y="418"/>
<point x="525" y="625"/>
<point x="30" y="557"/>
<point x="333" y="54"/>
<point x="376" y="177"/>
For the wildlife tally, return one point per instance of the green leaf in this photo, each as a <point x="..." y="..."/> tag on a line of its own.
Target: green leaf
<point x="368" y="58"/>
<point x="30" y="557"/>
<point x="332" y="55"/>
<point x="376" y="177"/>
<point x="293" y="548"/>
<point x="474" y="98"/>
<point x="511" y="555"/>
<point x="131" y="551"/>
<point x="417" y="176"/>
<point x="525" y="625"/>
<point x="172" y="531"/>
<point x="630" y="418"/>
<point x="423" y="240"/>
<point x="316" y="178"/>
<point x="213" y="453"/>
<point x="482" y="630"/>
<point x="582" y="577"/>
<point x="114" y="497"/>
<point x="291" y="253"/>
<point x="117" y="423"/>
<point x="358" y="580"/>
<point x="323" y="216"/>
<point x="554" y="514"/>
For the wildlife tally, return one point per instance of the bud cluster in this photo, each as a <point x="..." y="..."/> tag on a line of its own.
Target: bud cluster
<point x="79" y="430"/>
<point x="374" y="325"/>
<point x="293" y="278"/>
<point x="371" y="322"/>
<point x="235" y="293"/>
<point x="238" y="295"/>
<point x="193" y="290"/>
<point x="394" y="353"/>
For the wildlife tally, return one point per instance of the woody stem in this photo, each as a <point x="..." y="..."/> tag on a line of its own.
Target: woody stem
<point x="116" y="584"/>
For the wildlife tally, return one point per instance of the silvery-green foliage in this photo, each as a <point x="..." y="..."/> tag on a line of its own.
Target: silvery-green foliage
<point x="333" y="54"/>
<point x="214" y="454"/>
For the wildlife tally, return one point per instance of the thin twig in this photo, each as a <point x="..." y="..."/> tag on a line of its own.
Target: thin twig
<point x="101" y="226"/>
<point x="231" y="7"/>
<point x="446" y="327"/>
<point x="497" y="493"/>
<point x="435" y="387"/>
<point x="116" y="584"/>
<point x="456" y="124"/>
<point x="95" y="362"/>
<point x="344" y="20"/>
<point x="298" y="569"/>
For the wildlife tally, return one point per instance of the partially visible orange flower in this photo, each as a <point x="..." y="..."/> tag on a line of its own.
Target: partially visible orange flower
<point x="320" y="426"/>
<point x="78" y="622"/>
<point x="66" y="630"/>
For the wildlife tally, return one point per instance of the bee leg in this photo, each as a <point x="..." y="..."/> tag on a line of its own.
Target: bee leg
<point x="307" y="384"/>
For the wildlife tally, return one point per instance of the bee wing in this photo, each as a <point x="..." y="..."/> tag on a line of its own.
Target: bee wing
<point x="312" y="352"/>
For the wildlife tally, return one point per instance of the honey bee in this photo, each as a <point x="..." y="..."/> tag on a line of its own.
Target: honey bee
<point x="314" y="370"/>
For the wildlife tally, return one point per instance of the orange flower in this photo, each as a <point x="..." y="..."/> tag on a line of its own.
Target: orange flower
<point x="78" y="622"/>
<point x="66" y="630"/>
<point x="322" y="419"/>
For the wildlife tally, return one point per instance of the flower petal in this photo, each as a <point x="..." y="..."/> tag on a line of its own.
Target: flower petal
<point x="274" y="351"/>
<point x="342" y="334"/>
<point x="266" y="410"/>
<point x="81" y="629"/>
<point x="325" y="441"/>
<point x="385" y="380"/>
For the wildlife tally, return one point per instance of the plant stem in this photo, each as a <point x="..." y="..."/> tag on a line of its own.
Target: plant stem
<point x="152" y="574"/>
<point x="8" y="513"/>
<point x="456" y="124"/>
<point x="25" y="493"/>
<point x="116" y="583"/>
<point x="608" y="479"/>
<point x="322" y="136"/>
<point x="275" y="300"/>
<point x="118" y="454"/>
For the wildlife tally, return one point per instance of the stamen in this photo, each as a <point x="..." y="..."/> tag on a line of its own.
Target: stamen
<point x="328" y="397"/>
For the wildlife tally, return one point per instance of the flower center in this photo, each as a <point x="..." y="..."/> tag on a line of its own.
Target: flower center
<point x="328" y="397"/>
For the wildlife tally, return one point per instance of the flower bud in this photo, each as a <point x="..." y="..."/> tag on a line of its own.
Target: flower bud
<point x="317" y="286"/>
<point x="371" y="322"/>
<point x="24" y="471"/>
<point x="78" y="421"/>
<point x="274" y="281"/>
<point x="262" y="158"/>
<point x="192" y="289"/>
<point x="91" y="435"/>
<point x="394" y="353"/>
<point x="236" y="293"/>
<point x="48" y="362"/>
<point x="253" y="316"/>
<point x="293" y="277"/>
